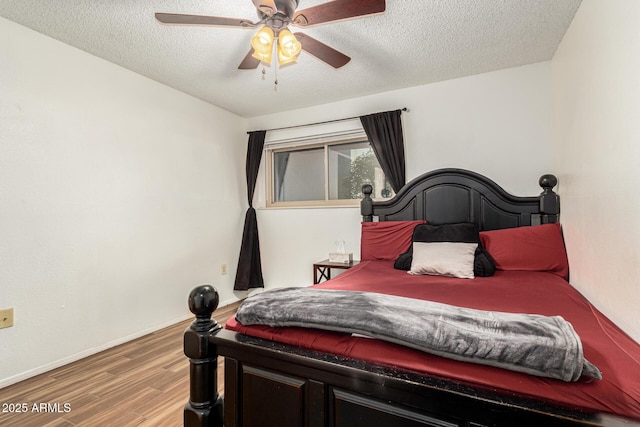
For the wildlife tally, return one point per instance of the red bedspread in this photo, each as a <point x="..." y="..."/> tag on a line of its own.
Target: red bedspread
<point x="605" y="345"/>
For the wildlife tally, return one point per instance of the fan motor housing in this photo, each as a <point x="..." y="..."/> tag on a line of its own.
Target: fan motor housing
<point x="284" y="7"/>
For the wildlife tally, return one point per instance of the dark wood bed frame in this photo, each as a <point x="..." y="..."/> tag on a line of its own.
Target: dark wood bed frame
<point x="270" y="384"/>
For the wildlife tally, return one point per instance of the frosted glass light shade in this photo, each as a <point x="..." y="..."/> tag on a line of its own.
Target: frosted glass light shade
<point x="262" y="44"/>
<point x="288" y="44"/>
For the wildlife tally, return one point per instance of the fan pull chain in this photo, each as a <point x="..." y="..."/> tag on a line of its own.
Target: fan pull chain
<point x="275" y="83"/>
<point x="264" y="72"/>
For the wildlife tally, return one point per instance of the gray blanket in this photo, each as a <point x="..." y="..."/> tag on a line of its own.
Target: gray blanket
<point x="534" y="344"/>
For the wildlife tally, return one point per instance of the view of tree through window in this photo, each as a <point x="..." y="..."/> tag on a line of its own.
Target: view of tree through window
<point x="363" y="170"/>
<point x="357" y="165"/>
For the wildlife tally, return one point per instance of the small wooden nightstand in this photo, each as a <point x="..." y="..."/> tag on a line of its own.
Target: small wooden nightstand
<point x="322" y="269"/>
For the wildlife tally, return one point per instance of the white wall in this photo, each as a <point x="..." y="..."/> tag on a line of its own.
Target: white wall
<point x="117" y="196"/>
<point x="596" y="92"/>
<point x="498" y="124"/>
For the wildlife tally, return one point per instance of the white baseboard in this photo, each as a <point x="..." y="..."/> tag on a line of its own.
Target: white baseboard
<point x="89" y="352"/>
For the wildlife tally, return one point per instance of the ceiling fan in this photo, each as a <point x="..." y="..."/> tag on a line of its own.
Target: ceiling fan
<point x="275" y="16"/>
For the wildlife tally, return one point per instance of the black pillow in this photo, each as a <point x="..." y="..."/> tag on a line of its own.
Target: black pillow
<point x="464" y="232"/>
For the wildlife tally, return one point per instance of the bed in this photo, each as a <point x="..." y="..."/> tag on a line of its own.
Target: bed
<point x="299" y="376"/>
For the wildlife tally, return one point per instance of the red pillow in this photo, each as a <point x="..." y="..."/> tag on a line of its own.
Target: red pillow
<point x="386" y="240"/>
<point x="533" y="248"/>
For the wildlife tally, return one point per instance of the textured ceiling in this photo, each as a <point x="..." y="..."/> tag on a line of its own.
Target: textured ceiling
<point x="414" y="42"/>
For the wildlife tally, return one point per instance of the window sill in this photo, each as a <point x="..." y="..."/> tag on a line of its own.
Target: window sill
<point x="285" y="207"/>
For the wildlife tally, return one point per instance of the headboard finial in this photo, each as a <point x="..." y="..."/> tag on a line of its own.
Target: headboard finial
<point x="547" y="182"/>
<point x="549" y="200"/>
<point x="366" y="204"/>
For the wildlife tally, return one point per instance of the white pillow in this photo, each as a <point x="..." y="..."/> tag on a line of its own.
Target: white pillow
<point x="443" y="259"/>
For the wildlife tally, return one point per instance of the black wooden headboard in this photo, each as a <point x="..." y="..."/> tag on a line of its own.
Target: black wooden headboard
<point x="447" y="196"/>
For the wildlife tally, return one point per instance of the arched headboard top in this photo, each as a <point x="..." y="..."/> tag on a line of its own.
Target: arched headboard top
<point x="450" y="195"/>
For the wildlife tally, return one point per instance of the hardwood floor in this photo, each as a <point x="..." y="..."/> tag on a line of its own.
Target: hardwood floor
<point x="141" y="383"/>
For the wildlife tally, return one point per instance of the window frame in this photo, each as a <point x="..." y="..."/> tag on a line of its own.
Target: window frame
<point x="271" y="149"/>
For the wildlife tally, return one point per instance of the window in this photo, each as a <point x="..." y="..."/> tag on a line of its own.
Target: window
<point x="323" y="173"/>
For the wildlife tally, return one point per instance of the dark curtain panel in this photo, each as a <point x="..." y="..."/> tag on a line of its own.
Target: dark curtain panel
<point x="384" y="131"/>
<point x="249" y="273"/>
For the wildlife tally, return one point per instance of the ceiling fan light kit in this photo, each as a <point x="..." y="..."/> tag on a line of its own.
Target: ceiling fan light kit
<point x="275" y="16"/>
<point x="286" y="45"/>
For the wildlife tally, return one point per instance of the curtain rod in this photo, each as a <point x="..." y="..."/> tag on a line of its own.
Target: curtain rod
<point x="321" y="123"/>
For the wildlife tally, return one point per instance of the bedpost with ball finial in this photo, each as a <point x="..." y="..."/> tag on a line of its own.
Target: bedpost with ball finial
<point x="549" y="200"/>
<point x="205" y="405"/>
<point x="366" y="204"/>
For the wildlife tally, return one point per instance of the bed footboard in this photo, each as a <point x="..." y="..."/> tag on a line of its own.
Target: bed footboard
<point x="205" y="405"/>
<point x="268" y="384"/>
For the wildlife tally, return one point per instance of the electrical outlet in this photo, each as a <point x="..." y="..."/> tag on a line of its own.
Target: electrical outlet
<point x="223" y="269"/>
<point x="6" y="318"/>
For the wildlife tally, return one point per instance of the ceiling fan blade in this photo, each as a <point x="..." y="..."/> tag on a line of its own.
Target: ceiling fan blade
<point x="337" y="10"/>
<point x="268" y="7"/>
<point x="177" y="19"/>
<point x="249" y="62"/>
<point x="322" y="51"/>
